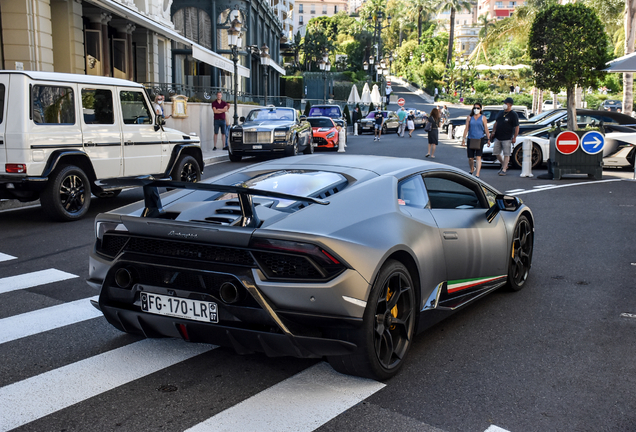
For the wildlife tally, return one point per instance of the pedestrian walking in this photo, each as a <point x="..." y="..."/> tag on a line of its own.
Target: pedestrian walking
<point x="505" y="131"/>
<point x="402" y="114"/>
<point x="476" y="131"/>
<point x="410" y="123"/>
<point x="219" y="108"/>
<point x="432" y="127"/>
<point x="379" y="122"/>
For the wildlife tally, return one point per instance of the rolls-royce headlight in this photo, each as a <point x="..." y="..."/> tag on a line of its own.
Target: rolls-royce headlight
<point x="237" y="134"/>
<point x="280" y="134"/>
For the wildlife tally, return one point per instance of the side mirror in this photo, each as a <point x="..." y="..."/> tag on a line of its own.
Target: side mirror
<point x="159" y="122"/>
<point x="503" y="203"/>
<point x="303" y="118"/>
<point x="242" y="119"/>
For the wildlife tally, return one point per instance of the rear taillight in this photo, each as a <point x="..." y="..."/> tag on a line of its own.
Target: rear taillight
<point x="15" y="168"/>
<point x="283" y="259"/>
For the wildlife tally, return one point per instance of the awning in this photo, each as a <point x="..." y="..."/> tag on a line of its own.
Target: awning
<point x="622" y="64"/>
<point x="277" y="67"/>
<point x="198" y="52"/>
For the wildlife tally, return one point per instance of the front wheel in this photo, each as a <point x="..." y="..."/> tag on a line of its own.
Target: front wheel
<point x="309" y="149"/>
<point x="67" y="194"/>
<point x="293" y="150"/>
<point x="521" y="254"/>
<point x="387" y="330"/>
<point x="384" y="130"/>
<point x="186" y="170"/>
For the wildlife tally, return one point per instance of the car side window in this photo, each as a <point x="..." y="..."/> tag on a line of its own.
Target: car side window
<point x="447" y="193"/>
<point x="411" y="192"/>
<point x="53" y="105"/>
<point x="97" y="106"/>
<point x="134" y="108"/>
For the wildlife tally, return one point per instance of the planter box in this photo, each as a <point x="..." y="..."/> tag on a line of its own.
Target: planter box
<point x="578" y="162"/>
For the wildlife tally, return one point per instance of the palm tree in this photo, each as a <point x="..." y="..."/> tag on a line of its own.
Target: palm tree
<point x="485" y="21"/>
<point x="419" y="10"/>
<point x="453" y="6"/>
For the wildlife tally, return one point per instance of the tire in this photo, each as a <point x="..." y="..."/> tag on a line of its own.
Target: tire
<point x="387" y="330"/>
<point x="67" y="195"/>
<point x="235" y="158"/>
<point x="384" y="130"/>
<point x="521" y="255"/>
<point x="186" y="170"/>
<point x="517" y="156"/>
<point x="310" y="146"/>
<point x="293" y="151"/>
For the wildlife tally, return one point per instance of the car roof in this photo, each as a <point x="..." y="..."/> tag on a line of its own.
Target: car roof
<point x="74" y="78"/>
<point x="321" y="118"/>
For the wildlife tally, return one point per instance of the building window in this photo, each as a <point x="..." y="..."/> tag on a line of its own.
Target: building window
<point x="335" y="9"/>
<point x="300" y="20"/>
<point x="511" y="5"/>
<point x="499" y="4"/>
<point x="93" y="47"/>
<point x="300" y="8"/>
<point x="194" y="24"/>
<point x="324" y="9"/>
<point x="313" y="9"/>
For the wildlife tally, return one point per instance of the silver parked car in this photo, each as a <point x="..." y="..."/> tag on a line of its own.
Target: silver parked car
<point x="342" y="256"/>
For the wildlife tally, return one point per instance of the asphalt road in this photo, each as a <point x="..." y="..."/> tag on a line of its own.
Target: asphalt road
<point x="556" y="356"/>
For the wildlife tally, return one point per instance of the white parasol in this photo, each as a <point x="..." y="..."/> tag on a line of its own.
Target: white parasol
<point x="354" y="97"/>
<point x="375" y="95"/>
<point x="366" y="94"/>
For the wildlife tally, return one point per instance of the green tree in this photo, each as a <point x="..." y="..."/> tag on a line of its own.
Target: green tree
<point x="453" y="6"/>
<point x="485" y="21"/>
<point x="568" y="47"/>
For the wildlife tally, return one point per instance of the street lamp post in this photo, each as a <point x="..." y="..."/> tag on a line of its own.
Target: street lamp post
<point x="233" y="37"/>
<point x="265" y="59"/>
<point x="325" y="66"/>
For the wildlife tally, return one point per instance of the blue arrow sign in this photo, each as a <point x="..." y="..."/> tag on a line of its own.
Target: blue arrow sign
<point x="592" y="142"/>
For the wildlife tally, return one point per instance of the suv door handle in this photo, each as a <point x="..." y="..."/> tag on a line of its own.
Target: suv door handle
<point x="450" y="235"/>
<point x="129" y="143"/>
<point x="89" y="144"/>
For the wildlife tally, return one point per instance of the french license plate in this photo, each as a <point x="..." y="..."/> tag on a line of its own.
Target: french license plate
<point x="179" y="308"/>
<point x="257" y="147"/>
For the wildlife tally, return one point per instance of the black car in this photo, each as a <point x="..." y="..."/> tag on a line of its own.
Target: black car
<point x="391" y="122"/>
<point x="584" y="116"/>
<point x="489" y="112"/>
<point x="611" y="105"/>
<point x="278" y="131"/>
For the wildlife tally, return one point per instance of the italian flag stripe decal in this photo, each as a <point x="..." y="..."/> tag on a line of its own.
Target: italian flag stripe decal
<point x="462" y="284"/>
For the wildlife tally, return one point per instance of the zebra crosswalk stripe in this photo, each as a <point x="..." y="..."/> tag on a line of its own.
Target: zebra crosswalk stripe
<point x="41" y="395"/>
<point x="301" y="403"/>
<point x="41" y="320"/>
<point x="29" y="280"/>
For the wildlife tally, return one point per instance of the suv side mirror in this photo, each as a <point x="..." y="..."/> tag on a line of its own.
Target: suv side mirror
<point x="242" y="119"/>
<point x="159" y="122"/>
<point x="503" y="203"/>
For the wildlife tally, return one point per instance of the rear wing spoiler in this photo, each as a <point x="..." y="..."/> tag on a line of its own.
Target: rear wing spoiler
<point x="154" y="208"/>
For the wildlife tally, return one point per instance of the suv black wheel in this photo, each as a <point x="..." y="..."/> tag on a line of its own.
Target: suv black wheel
<point x="67" y="194"/>
<point x="387" y="330"/>
<point x="186" y="170"/>
<point x="310" y="146"/>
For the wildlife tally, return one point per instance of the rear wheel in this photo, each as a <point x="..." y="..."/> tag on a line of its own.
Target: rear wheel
<point x="521" y="255"/>
<point x="67" y="195"/>
<point x="310" y="146"/>
<point x="385" y="336"/>
<point x="384" y="130"/>
<point x="517" y="156"/>
<point x="186" y="170"/>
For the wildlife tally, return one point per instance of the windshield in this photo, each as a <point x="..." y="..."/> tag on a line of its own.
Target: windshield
<point x="271" y="114"/>
<point x="543" y="115"/>
<point x="332" y="111"/>
<point x="321" y="122"/>
<point x="555" y="116"/>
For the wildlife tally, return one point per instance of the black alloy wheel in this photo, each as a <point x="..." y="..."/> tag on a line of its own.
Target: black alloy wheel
<point x="521" y="254"/>
<point x="517" y="156"/>
<point x="187" y="170"/>
<point x="388" y="327"/>
<point x="67" y="195"/>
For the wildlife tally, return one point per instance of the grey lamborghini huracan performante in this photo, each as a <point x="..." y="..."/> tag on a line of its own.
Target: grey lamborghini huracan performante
<point x="338" y="256"/>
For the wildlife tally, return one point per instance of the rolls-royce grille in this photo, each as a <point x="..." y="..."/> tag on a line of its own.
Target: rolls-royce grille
<point x="195" y="251"/>
<point x="253" y="137"/>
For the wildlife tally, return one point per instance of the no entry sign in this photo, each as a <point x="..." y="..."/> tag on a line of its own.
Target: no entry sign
<point x="567" y="142"/>
<point x="401" y="101"/>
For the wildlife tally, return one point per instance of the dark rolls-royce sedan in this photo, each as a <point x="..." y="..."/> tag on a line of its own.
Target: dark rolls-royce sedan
<point x="273" y="130"/>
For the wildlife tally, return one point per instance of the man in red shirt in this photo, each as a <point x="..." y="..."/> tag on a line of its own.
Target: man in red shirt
<point x="219" y="107"/>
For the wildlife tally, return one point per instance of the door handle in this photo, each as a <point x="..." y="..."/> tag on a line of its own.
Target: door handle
<point x="89" y="144"/>
<point x="129" y="143"/>
<point x="450" y="235"/>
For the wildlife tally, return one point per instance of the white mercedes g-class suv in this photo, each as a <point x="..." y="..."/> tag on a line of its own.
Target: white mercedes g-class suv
<point x="62" y="133"/>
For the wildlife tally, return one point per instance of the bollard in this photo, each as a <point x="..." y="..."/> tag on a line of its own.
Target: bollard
<point x="341" y="141"/>
<point x="355" y="129"/>
<point x="526" y="165"/>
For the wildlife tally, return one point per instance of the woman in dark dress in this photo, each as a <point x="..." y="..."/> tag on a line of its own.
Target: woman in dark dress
<point x="433" y="134"/>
